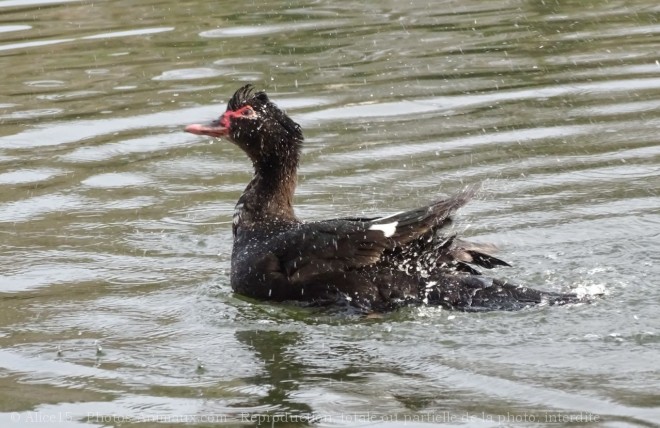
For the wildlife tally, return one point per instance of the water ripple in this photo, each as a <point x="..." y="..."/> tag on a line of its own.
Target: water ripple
<point x="38" y="206"/>
<point x="23" y="176"/>
<point x="136" y="32"/>
<point x="260" y="30"/>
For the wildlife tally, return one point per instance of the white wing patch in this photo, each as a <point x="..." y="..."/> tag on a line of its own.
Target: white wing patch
<point x="388" y="229"/>
<point x="238" y="210"/>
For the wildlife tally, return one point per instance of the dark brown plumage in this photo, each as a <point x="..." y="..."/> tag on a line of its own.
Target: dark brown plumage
<point x="378" y="263"/>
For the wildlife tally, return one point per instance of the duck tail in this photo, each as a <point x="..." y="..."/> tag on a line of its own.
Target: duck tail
<point x="476" y="293"/>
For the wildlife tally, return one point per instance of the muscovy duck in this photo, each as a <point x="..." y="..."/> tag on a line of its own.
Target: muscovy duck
<point x="369" y="264"/>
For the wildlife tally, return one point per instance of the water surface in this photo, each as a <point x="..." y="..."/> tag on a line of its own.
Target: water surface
<point x="115" y="226"/>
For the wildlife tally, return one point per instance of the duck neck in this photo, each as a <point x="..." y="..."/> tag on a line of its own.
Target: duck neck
<point x="268" y="198"/>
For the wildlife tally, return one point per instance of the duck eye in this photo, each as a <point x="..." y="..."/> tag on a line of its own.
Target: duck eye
<point x="247" y="111"/>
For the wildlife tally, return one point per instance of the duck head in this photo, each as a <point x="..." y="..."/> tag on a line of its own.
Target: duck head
<point x="256" y="125"/>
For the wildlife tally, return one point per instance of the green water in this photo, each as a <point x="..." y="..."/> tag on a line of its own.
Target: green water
<point x="115" y="226"/>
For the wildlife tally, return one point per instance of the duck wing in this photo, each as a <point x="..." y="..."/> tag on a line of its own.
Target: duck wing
<point x="319" y="248"/>
<point x="345" y="244"/>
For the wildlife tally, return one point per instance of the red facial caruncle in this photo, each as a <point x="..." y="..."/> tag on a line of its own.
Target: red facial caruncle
<point x="219" y="128"/>
<point x="245" y="112"/>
